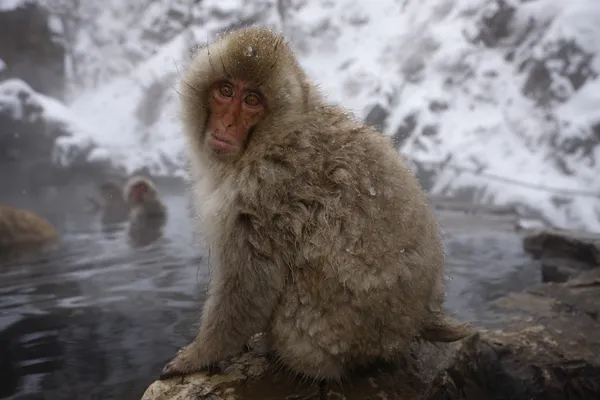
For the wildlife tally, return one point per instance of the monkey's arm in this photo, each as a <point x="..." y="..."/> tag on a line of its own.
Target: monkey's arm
<point x="242" y="295"/>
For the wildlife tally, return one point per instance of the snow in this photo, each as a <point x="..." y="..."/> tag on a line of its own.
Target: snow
<point x="10" y="103"/>
<point x="7" y="5"/>
<point x="129" y="144"/>
<point x="16" y="95"/>
<point x="404" y="55"/>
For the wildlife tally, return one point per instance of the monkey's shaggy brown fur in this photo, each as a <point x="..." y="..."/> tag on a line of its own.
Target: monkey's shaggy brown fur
<point x="318" y="232"/>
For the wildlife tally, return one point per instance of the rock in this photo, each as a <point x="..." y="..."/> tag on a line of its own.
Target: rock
<point x="377" y="117"/>
<point x="31" y="49"/>
<point x="252" y="377"/>
<point x="42" y="144"/>
<point x="548" y="348"/>
<point x="404" y="130"/>
<point x="562" y="253"/>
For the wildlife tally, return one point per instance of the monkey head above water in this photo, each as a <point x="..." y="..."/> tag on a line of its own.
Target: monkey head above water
<point x="147" y="214"/>
<point x="318" y="233"/>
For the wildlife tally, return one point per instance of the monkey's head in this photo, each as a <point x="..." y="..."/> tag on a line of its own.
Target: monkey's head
<point x="246" y="79"/>
<point x="139" y="190"/>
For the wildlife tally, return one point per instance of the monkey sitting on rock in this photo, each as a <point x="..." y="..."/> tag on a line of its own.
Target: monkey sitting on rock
<point x="147" y="213"/>
<point x="318" y="233"/>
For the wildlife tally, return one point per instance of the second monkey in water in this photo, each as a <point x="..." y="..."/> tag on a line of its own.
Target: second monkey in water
<point x="318" y="233"/>
<point x="147" y="213"/>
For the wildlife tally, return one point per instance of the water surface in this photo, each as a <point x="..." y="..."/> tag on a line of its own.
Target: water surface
<point x="93" y="318"/>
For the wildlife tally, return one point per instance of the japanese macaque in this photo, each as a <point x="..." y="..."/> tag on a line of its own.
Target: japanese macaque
<point x="23" y="228"/>
<point x="147" y="214"/>
<point x="318" y="233"/>
<point x="112" y="204"/>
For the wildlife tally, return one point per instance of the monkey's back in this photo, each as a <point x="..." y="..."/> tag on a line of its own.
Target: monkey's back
<point x="23" y="227"/>
<point x="348" y="217"/>
<point x="150" y="215"/>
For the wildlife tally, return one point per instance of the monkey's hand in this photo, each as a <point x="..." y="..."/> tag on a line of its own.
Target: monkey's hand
<point x="188" y="360"/>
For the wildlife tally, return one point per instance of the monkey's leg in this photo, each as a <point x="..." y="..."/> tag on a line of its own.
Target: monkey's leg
<point x="237" y="306"/>
<point x="261" y="343"/>
<point x="301" y="354"/>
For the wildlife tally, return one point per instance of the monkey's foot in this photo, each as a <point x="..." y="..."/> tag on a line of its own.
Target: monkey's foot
<point x="188" y="360"/>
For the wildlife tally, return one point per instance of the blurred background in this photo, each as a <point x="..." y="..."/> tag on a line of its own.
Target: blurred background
<point x="494" y="103"/>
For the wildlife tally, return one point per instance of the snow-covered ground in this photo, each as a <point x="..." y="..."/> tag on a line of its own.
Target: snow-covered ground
<point x="504" y="88"/>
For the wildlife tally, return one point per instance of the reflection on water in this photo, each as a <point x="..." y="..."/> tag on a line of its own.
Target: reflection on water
<point x="94" y="318"/>
<point x="486" y="260"/>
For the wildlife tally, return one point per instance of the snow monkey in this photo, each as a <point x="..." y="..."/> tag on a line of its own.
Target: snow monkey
<point x="112" y="204"/>
<point x="21" y="227"/>
<point x="318" y="233"/>
<point x="147" y="214"/>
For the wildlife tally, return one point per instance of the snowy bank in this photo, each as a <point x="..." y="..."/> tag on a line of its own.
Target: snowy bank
<point x="472" y="91"/>
<point x="42" y="142"/>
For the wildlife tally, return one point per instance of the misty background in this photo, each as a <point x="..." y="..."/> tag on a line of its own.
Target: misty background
<point x="495" y="104"/>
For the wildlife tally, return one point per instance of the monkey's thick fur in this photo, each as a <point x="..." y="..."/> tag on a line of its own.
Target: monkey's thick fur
<point x="147" y="212"/>
<point x="319" y="235"/>
<point x="113" y="205"/>
<point x="22" y="227"/>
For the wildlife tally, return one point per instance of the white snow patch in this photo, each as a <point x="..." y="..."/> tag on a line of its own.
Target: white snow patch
<point x="7" y="5"/>
<point x="402" y="55"/>
<point x="16" y="94"/>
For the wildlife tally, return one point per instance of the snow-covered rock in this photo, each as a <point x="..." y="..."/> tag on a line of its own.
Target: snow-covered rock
<point x="43" y="143"/>
<point x="30" y="48"/>
<point x="492" y="100"/>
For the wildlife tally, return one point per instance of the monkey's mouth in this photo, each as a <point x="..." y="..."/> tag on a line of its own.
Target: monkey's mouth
<point x="221" y="144"/>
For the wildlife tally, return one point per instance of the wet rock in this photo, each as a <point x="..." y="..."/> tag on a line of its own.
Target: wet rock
<point x="562" y="253"/>
<point x="548" y="348"/>
<point x="538" y="344"/>
<point x="31" y="49"/>
<point x="252" y="377"/>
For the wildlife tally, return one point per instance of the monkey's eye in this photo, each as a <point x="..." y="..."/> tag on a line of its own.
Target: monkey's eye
<point x="226" y="90"/>
<point x="252" y="100"/>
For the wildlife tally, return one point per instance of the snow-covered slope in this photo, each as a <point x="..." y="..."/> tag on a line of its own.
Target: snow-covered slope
<point x="507" y="88"/>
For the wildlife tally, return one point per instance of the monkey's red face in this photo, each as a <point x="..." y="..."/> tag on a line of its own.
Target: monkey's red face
<point x="235" y="109"/>
<point x="137" y="192"/>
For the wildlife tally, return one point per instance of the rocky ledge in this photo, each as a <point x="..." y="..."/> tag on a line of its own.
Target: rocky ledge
<point x="563" y="254"/>
<point x="538" y="344"/>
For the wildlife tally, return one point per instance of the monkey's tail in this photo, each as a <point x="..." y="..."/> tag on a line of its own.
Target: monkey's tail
<point x="443" y="328"/>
